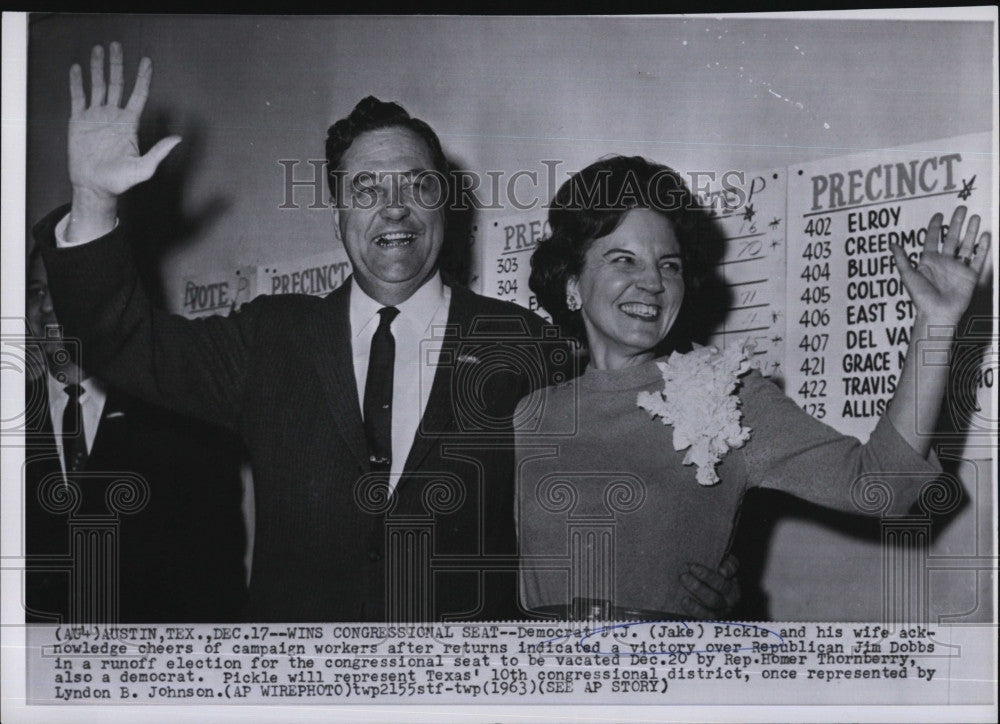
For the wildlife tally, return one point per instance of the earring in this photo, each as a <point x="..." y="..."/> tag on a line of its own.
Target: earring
<point x="572" y="303"/>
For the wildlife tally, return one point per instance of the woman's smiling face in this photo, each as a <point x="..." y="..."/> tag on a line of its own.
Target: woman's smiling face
<point x="631" y="288"/>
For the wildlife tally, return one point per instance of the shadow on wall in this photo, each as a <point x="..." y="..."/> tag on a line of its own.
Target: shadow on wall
<point x="156" y="211"/>
<point x="763" y="509"/>
<point x="456" y="253"/>
<point x="974" y="336"/>
<point x="164" y="222"/>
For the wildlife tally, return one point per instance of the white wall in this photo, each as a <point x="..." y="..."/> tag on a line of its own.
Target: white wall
<point x="504" y="93"/>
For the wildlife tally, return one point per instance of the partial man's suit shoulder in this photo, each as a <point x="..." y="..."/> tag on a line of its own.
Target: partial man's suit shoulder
<point x="499" y="309"/>
<point x="276" y="307"/>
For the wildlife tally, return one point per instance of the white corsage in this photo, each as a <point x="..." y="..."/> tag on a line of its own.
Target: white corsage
<point x="697" y="399"/>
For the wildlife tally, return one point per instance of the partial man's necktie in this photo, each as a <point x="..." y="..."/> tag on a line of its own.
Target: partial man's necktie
<point x="74" y="438"/>
<point x="378" y="393"/>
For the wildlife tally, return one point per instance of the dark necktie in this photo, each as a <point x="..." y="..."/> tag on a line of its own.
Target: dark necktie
<point x="378" y="393"/>
<point x="74" y="439"/>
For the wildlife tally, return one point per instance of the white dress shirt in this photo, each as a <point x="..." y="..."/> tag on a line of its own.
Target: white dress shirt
<point x="92" y="401"/>
<point x="415" y="361"/>
<point x="61" y="240"/>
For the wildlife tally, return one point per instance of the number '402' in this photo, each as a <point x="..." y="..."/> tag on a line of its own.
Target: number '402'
<point x="818" y="227"/>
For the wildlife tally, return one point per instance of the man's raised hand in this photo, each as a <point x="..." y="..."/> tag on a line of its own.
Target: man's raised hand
<point x="104" y="158"/>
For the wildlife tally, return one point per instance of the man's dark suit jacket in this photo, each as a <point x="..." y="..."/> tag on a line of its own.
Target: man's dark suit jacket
<point x="330" y="545"/>
<point x="180" y="553"/>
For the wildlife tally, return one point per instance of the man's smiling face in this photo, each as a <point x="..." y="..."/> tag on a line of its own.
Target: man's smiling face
<point x="389" y="216"/>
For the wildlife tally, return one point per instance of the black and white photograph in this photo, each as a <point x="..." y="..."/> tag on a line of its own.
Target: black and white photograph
<point x="513" y="367"/>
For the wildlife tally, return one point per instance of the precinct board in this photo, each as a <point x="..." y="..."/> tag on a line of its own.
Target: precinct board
<point x="217" y="292"/>
<point x="849" y="317"/>
<point x="751" y="217"/>
<point x="220" y="292"/>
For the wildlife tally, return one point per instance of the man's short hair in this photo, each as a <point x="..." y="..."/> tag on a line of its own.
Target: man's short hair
<point x="371" y="114"/>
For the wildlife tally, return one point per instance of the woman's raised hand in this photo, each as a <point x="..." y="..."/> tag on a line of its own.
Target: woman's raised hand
<point x="942" y="283"/>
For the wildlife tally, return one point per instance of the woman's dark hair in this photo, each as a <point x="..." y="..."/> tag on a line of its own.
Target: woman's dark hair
<point x="371" y="114"/>
<point x="592" y="204"/>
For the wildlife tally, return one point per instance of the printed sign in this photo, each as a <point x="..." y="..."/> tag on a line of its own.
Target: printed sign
<point x="848" y="315"/>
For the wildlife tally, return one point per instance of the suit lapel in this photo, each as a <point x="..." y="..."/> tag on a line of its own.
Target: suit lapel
<point x="331" y="333"/>
<point x="110" y="428"/>
<point x="439" y="416"/>
<point x="39" y="439"/>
